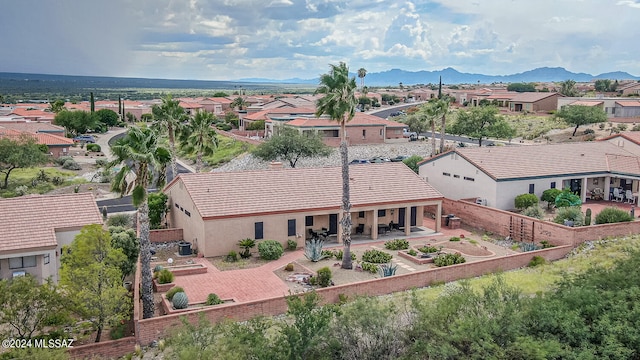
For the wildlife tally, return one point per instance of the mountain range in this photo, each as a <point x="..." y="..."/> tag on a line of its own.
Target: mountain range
<point x="452" y="76"/>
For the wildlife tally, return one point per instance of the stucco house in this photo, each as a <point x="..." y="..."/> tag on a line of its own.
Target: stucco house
<point x="496" y="175"/>
<point x="216" y="210"/>
<point x="617" y="109"/>
<point x="57" y="145"/>
<point x="534" y="101"/>
<point x="628" y="140"/>
<point x="34" y="228"/>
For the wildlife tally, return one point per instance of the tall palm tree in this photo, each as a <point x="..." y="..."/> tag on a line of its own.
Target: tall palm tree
<point x="442" y="110"/>
<point x="339" y="102"/>
<point x="238" y="102"/>
<point x="362" y="72"/>
<point x="168" y="119"/>
<point x="430" y="112"/>
<point x="200" y="137"/>
<point x="140" y="154"/>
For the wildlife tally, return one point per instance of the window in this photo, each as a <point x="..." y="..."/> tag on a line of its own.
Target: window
<point x="187" y="213"/>
<point x="380" y="132"/>
<point x="22" y="262"/>
<point x="446" y="173"/>
<point x="308" y="221"/>
<point x="469" y="178"/>
<point x="532" y="188"/>
<point x="47" y="259"/>
<point x="382" y="213"/>
<point x="291" y="227"/>
<point x="456" y="176"/>
<point x="553" y="184"/>
<point x="177" y="206"/>
<point x="364" y="134"/>
<point x="258" y="230"/>
<point x="361" y="214"/>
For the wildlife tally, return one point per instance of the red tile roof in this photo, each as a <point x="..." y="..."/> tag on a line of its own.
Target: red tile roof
<point x="40" y="138"/>
<point x="287" y="110"/>
<point x="512" y="162"/>
<point x="533" y="96"/>
<point x="633" y="103"/>
<point x="32" y="126"/>
<point x="633" y="136"/>
<point x="31" y="221"/>
<point x="217" y="195"/>
<point x="587" y="103"/>
<point x="360" y="119"/>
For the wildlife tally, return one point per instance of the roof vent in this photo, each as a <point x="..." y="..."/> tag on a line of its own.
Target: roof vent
<point x="276" y="165"/>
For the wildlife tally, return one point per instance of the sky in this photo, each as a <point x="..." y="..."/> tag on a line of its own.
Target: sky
<point x="283" y="39"/>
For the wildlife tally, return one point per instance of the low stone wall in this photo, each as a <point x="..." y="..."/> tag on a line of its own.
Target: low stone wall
<point x="165" y="235"/>
<point x="111" y="349"/>
<point x="148" y="330"/>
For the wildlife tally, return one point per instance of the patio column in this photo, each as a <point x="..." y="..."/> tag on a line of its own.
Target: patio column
<point x="438" y="216"/>
<point x="607" y="187"/>
<point x="583" y="195"/>
<point x="407" y="220"/>
<point x="374" y="227"/>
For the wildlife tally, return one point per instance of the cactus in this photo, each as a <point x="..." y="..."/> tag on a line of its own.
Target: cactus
<point x="387" y="270"/>
<point x="180" y="300"/>
<point x="587" y="218"/>
<point x="158" y="268"/>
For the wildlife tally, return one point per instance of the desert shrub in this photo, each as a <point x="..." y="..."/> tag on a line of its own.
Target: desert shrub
<point x="57" y="180"/>
<point x="588" y="131"/>
<point x="412" y="252"/>
<point x="524" y="201"/>
<point x="448" y="259"/>
<point x="270" y="249"/>
<point x="550" y="196"/>
<point x="454" y="238"/>
<point x="292" y="245"/>
<point x="567" y="199"/>
<point x="545" y="244"/>
<point x="571" y="213"/>
<point x="612" y="215"/>
<point x="376" y="257"/>
<point x="536" y="261"/>
<point x="71" y="165"/>
<point x="428" y="249"/>
<point x="534" y="212"/>
<point x="101" y="162"/>
<point x="339" y="253"/>
<point x="174" y="290"/>
<point x="93" y="147"/>
<point x="635" y="128"/>
<point x="232" y="256"/>
<point x="165" y="276"/>
<point x="62" y="159"/>
<point x="224" y="127"/>
<point x="397" y="244"/>
<point x="213" y="299"/>
<point x="123" y="220"/>
<point x="22" y="190"/>
<point x="324" y="277"/>
<point x="256" y="125"/>
<point x="289" y="267"/>
<point x="372" y="268"/>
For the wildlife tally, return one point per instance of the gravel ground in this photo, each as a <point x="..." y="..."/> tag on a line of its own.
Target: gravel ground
<point x="420" y="148"/>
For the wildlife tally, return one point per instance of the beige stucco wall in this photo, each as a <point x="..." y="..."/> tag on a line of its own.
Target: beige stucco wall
<point x="41" y="271"/>
<point x="192" y="226"/>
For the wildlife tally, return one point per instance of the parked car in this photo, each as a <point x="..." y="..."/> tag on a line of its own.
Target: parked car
<point x="409" y="134"/>
<point x="85" y="139"/>
<point x="399" y="158"/>
<point x="379" y="159"/>
<point x="359" y="161"/>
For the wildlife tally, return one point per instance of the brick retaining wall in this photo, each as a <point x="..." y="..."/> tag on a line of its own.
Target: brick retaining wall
<point x="111" y="349"/>
<point x="165" y="235"/>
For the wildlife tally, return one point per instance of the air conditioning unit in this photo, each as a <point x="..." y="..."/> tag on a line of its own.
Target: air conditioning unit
<point x="18" y="273"/>
<point x="481" y="201"/>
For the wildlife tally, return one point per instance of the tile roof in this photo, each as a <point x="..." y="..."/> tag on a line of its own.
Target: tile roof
<point x="513" y="162"/>
<point x="40" y="138"/>
<point x="360" y="119"/>
<point x="28" y="222"/>
<point x="287" y="110"/>
<point x="217" y="195"/>
<point x="634" y="103"/>
<point x="587" y="102"/>
<point x="533" y="96"/>
<point x="633" y="136"/>
<point x="33" y="126"/>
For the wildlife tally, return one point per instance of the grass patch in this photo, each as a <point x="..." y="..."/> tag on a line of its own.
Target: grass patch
<point x="228" y="149"/>
<point x="24" y="177"/>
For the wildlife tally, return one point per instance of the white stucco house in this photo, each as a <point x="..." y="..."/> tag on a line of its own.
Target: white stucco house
<point x="496" y="175"/>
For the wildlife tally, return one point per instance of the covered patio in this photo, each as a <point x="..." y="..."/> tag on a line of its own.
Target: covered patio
<point x="620" y="189"/>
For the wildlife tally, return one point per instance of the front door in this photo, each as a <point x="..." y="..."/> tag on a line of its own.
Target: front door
<point x="401" y="215"/>
<point x="333" y="224"/>
<point x="413" y="215"/>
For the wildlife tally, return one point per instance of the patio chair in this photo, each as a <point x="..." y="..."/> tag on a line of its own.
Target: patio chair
<point x="617" y="195"/>
<point x="597" y="194"/>
<point x="360" y="229"/>
<point x="630" y="197"/>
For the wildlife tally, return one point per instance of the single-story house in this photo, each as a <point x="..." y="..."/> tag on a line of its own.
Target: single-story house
<point x="34" y="228"/>
<point x="496" y="175"/>
<point x="534" y="101"/>
<point x="617" y="109"/>
<point x="216" y="210"/>
<point x="58" y="145"/>
<point x="628" y="140"/>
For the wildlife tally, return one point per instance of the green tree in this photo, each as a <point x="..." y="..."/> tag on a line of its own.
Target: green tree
<point x="107" y="117"/>
<point x="239" y="103"/>
<point x="125" y="239"/>
<point x="77" y="121"/>
<point x="220" y="94"/>
<point x="200" y="137"/>
<point x="289" y="145"/>
<point x="140" y="153"/>
<point x="522" y="87"/>
<point x="91" y="277"/>
<point x="362" y="73"/>
<point x="524" y="201"/>
<point x="550" y="196"/>
<point x="56" y="106"/>
<point x="339" y="102"/>
<point x="169" y="117"/>
<point x="412" y="162"/>
<point x="568" y="88"/>
<point x="581" y="115"/>
<point x="256" y="125"/>
<point x="22" y="152"/>
<point x="158" y="208"/>
<point x="437" y="109"/>
<point x="231" y="118"/>
<point x="482" y="122"/>
<point x="27" y="306"/>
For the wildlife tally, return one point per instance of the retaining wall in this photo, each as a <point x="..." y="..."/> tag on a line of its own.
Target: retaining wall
<point x="165" y="235"/>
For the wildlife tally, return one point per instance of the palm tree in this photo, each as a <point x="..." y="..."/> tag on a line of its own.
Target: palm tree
<point x="362" y="72"/>
<point x="430" y="111"/>
<point x="339" y="102"/>
<point x="239" y="103"/>
<point x="441" y="109"/>
<point x="140" y="154"/>
<point x="168" y="118"/>
<point x="200" y="137"/>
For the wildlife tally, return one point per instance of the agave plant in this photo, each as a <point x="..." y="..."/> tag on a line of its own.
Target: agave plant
<point x="246" y="245"/>
<point x="387" y="269"/>
<point x="313" y="249"/>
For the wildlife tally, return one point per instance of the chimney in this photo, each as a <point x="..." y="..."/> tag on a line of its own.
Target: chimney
<point x="274" y="165"/>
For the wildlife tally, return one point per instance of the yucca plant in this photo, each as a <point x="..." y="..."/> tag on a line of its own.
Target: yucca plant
<point x="313" y="249"/>
<point x="387" y="269"/>
<point x="246" y="245"/>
